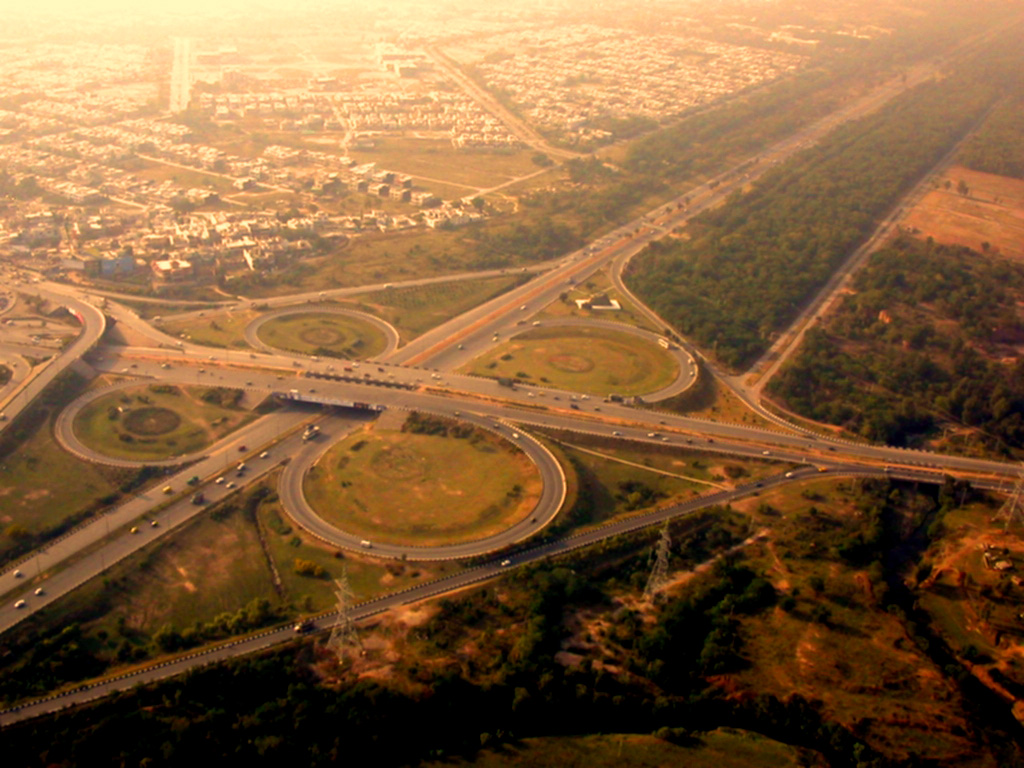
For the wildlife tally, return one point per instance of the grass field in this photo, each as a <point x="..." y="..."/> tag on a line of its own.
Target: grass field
<point x="415" y="310"/>
<point x="30" y="496"/>
<point x="158" y="171"/>
<point x="437" y="159"/>
<point x="721" y="748"/>
<point x="420" y="489"/>
<point x="223" y="329"/>
<point x="598" y="283"/>
<point x="991" y="212"/>
<point x="324" y="333"/>
<point x="144" y="423"/>
<point x="594" y="360"/>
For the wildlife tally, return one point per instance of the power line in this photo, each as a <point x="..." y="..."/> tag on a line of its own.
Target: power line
<point x="1012" y="511"/>
<point x="344" y="636"/>
<point x="659" y="573"/>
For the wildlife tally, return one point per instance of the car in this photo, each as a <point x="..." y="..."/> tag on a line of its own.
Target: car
<point x="134" y="529"/>
<point x="823" y="469"/>
<point x="168" y="490"/>
<point x="789" y="474"/>
<point x="616" y="433"/>
<point x="365" y="543"/>
<point x="154" y="523"/>
<point x="17" y="573"/>
<point x="241" y="466"/>
<point x="39" y="591"/>
<point x="506" y="563"/>
<point x="515" y="435"/>
<point x="766" y="453"/>
<point x="522" y="308"/>
<point x="242" y="449"/>
<point x="264" y="455"/>
<point x="229" y="484"/>
<point x="219" y="480"/>
<point x="574" y="406"/>
<point x="20" y="604"/>
<point x="652" y="434"/>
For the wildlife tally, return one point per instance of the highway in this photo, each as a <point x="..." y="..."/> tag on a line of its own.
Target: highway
<point x="389" y="331"/>
<point x="282" y="634"/>
<point x="547" y="507"/>
<point x="418" y="376"/>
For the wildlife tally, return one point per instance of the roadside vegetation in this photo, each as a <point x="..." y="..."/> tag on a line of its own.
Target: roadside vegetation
<point x="791" y="616"/>
<point x="580" y="359"/>
<point x="747" y="268"/>
<point x="159" y="421"/>
<point x="928" y="338"/>
<point x="326" y="334"/>
<point x="34" y="508"/>
<point x="398" y="487"/>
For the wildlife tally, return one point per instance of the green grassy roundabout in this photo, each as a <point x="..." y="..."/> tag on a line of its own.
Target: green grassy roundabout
<point x="323" y="333"/>
<point x="596" y="360"/>
<point x="158" y="422"/>
<point x="422" y="489"/>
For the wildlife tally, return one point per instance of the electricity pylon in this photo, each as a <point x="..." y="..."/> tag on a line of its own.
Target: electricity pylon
<point x="1012" y="511"/>
<point x="659" y="573"/>
<point x="344" y="635"/>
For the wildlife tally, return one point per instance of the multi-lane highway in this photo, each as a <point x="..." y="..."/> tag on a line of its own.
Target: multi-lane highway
<point x="418" y="376"/>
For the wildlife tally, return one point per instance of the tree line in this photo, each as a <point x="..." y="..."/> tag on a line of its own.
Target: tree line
<point x="750" y="265"/>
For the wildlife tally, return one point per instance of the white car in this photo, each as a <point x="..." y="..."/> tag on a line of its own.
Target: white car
<point x="219" y="480"/>
<point x="264" y="455"/>
<point x="20" y="604"/>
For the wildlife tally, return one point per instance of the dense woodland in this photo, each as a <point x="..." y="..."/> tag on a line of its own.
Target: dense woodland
<point x="998" y="147"/>
<point x="747" y="268"/>
<point x="921" y="342"/>
<point x="750" y="265"/>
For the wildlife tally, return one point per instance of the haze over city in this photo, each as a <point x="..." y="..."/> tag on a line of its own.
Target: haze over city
<point x="540" y="384"/>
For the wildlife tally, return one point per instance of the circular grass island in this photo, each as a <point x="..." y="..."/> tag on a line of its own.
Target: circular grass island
<point x="157" y="422"/>
<point x="411" y="489"/>
<point x="581" y="359"/>
<point x="323" y="333"/>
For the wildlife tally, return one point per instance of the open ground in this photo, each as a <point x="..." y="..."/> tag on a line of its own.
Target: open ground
<point x="991" y="211"/>
<point x="323" y="333"/>
<point x="400" y="487"/>
<point x="157" y="422"/>
<point x="595" y="360"/>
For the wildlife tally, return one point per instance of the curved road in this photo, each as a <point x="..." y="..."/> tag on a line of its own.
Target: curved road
<point x="391" y="337"/>
<point x="552" y="495"/>
<point x="687" y="367"/>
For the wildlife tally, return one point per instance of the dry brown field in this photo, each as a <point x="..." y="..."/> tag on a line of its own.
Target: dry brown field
<point x="991" y="212"/>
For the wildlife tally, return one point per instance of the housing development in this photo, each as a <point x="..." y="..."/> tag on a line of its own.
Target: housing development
<point x="565" y="383"/>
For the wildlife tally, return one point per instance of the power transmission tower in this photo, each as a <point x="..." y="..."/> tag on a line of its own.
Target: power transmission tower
<point x="344" y="635"/>
<point x="1012" y="511"/>
<point x="659" y="573"/>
